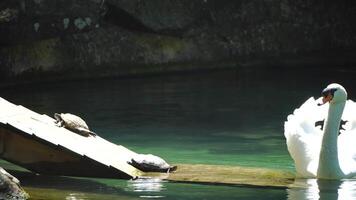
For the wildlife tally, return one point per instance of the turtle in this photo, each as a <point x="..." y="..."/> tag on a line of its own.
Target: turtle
<point x="73" y="123"/>
<point x="151" y="163"/>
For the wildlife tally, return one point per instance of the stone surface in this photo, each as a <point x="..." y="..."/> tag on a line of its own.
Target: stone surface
<point x="10" y="187"/>
<point x="41" y="19"/>
<point x="56" y="39"/>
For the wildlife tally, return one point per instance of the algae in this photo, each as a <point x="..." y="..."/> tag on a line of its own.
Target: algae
<point x="59" y="194"/>
<point x="229" y="175"/>
<point x="161" y="48"/>
<point x="40" y="56"/>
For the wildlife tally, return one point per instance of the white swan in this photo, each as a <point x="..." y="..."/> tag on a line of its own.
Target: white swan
<point x="317" y="148"/>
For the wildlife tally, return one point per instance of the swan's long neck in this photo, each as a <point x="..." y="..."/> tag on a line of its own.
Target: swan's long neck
<point x="329" y="167"/>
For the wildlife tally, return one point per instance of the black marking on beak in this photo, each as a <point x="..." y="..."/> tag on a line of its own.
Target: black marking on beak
<point x="327" y="91"/>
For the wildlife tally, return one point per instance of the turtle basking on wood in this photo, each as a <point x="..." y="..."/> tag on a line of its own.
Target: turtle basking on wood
<point x="73" y="123"/>
<point x="151" y="163"/>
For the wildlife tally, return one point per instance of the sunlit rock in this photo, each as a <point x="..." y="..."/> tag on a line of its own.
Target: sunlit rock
<point x="10" y="187"/>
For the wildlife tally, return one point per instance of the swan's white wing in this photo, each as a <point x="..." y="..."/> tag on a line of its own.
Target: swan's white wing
<point x="304" y="138"/>
<point x="347" y="140"/>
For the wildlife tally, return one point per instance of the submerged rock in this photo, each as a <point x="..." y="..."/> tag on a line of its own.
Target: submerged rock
<point x="232" y="175"/>
<point x="10" y="187"/>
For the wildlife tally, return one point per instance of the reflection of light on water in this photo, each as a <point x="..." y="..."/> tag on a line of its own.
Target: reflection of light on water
<point x="314" y="189"/>
<point x="348" y="190"/>
<point x="303" y="189"/>
<point x="149" y="187"/>
<point x="150" y="197"/>
<point x="75" y="196"/>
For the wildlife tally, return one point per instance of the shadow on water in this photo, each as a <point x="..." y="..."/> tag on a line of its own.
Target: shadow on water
<point x="29" y="179"/>
<point x="55" y="188"/>
<point x="59" y="187"/>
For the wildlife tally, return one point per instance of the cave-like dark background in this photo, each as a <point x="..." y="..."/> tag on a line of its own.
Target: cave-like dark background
<point x="73" y="39"/>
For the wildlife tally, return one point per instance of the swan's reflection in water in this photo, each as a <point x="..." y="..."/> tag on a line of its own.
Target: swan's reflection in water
<point x="147" y="187"/>
<point x="314" y="189"/>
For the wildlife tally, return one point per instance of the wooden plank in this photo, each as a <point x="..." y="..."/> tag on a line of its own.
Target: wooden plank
<point x="36" y="143"/>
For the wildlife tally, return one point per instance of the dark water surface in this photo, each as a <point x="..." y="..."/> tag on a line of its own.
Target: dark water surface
<point x="232" y="117"/>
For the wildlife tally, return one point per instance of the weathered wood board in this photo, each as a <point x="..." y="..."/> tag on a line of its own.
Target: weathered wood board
<point x="33" y="141"/>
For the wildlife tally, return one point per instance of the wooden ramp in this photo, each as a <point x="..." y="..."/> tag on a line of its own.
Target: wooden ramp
<point x="34" y="142"/>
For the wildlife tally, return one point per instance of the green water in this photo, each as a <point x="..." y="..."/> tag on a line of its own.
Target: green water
<point x="232" y="117"/>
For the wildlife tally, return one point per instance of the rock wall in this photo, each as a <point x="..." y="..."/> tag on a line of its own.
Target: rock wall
<point x="51" y="39"/>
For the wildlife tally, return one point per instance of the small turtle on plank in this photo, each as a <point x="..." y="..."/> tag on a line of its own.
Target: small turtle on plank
<point x="73" y="123"/>
<point x="151" y="163"/>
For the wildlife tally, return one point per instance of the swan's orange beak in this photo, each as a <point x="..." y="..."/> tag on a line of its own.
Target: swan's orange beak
<point x="328" y="95"/>
<point x="327" y="98"/>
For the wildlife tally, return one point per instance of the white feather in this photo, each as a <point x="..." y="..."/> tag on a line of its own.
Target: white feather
<point x="304" y="138"/>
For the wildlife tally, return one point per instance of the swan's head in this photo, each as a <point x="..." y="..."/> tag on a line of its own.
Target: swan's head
<point x="334" y="93"/>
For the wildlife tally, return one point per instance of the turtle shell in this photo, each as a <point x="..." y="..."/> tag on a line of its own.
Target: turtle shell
<point x="151" y="163"/>
<point x="75" y="123"/>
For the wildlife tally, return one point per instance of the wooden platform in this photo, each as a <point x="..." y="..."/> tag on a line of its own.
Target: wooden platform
<point x="34" y="142"/>
<point x="228" y="175"/>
